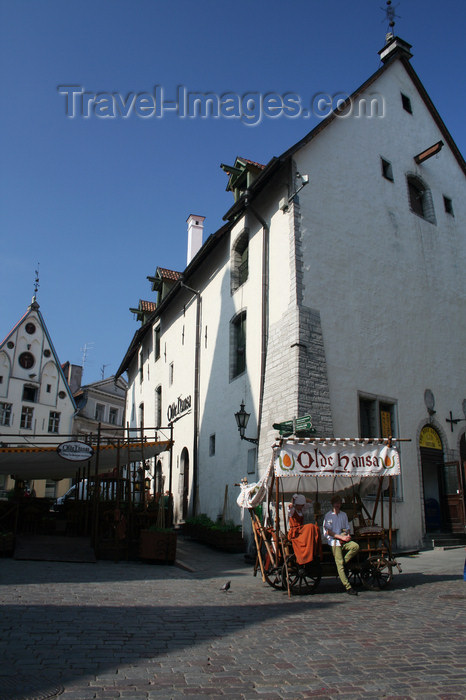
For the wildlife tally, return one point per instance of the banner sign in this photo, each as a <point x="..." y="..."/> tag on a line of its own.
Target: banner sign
<point x="352" y="460"/>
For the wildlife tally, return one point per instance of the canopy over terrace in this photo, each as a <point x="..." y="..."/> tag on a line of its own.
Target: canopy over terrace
<point x="44" y="462"/>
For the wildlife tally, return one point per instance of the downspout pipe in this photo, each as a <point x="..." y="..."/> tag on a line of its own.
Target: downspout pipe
<point x="264" y="305"/>
<point x="197" y="353"/>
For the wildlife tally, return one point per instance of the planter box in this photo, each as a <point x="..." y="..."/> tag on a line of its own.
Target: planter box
<point x="7" y="544"/>
<point x="229" y="541"/>
<point x="157" y="546"/>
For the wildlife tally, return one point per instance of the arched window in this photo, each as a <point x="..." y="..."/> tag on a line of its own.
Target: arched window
<point x="420" y="198"/>
<point x="240" y="261"/>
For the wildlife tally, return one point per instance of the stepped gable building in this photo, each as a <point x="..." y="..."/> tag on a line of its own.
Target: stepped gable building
<point x="335" y="288"/>
<point x="35" y="398"/>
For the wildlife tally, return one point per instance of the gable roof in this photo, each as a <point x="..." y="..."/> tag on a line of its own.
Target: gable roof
<point x="34" y="307"/>
<point x="266" y="172"/>
<point x="276" y="162"/>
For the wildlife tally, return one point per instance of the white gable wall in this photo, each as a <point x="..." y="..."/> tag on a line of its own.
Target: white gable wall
<point x="389" y="285"/>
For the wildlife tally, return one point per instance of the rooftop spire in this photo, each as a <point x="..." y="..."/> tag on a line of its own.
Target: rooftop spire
<point x="394" y="46"/>
<point x="36" y="287"/>
<point x="390" y="15"/>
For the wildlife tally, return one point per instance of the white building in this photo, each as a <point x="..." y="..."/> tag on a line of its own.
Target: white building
<point x="36" y="403"/>
<point x="336" y="288"/>
<point x="100" y="403"/>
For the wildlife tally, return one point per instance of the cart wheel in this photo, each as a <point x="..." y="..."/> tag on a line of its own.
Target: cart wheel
<point x="274" y="576"/>
<point x="354" y="576"/>
<point x="303" y="578"/>
<point x="376" y="573"/>
<point x="272" y="572"/>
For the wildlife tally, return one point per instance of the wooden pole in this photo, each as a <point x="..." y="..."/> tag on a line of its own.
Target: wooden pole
<point x="256" y="539"/>
<point x="390" y="499"/>
<point x="225" y="501"/>
<point x="374" y="511"/>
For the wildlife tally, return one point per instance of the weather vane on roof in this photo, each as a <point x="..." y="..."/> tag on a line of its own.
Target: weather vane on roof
<point x="390" y="15"/>
<point x="36" y="282"/>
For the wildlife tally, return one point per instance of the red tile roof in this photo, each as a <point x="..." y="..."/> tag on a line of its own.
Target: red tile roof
<point x="252" y="162"/>
<point x="147" y="305"/>
<point x="169" y="274"/>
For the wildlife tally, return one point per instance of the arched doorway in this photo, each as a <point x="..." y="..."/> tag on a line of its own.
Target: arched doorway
<point x="442" y="484"/>
<point x="432" y="468"/>
<point x="184" y="478"/>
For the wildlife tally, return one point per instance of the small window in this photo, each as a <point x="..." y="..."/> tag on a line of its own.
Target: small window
<point x="406" y="102"/>
<point x="252" y="461"/>
<point x="54" y="422"/>
<point x="27" y="413"/>
<point x="141" y="367"/>
<point x="141" y="415"/>
<point x="157" y="342"/>
<point x="240" y="261"/>
<point x="49" y="388"/>
<point x="171" y="371"/>
<point x="387" y="170"/>
<point x="113" y="416"/>
<point x="448" y="204"/>
<point x="420" y="198"/>
<point x="377" y="418"/>
<point x="30" y="328"/>
<point x="238" y="345"/>
<point x="212" y="445"/>
<point x="30" y="394"/>
<point x="158" y="407"/>
<point x="1" y="379"/>
<point x="5" y="413"/>
<point x="99" y="412"/>
<point x="47" y="353"/>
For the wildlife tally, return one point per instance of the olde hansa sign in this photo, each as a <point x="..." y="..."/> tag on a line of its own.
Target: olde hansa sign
<point x="75" y="451"/>
<point x="338" y="459"/>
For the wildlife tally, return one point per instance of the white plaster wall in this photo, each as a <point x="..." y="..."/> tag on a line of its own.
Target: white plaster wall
<point x="389" y="285"/>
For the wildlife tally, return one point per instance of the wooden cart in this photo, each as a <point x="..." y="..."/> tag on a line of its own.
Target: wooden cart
<point x="319" y="468"/>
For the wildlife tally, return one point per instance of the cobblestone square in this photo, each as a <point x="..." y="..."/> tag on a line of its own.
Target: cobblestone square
<point x="142" y="631"/>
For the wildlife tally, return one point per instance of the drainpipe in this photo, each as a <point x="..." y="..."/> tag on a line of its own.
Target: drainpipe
<point x="197" y="353"/>
<point x="265" y="306"/>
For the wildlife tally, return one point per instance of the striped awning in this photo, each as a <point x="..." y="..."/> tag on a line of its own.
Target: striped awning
<point x="44" y="462"/>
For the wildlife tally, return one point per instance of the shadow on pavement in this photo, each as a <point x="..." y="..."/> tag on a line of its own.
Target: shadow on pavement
<point x="70" y="643"/>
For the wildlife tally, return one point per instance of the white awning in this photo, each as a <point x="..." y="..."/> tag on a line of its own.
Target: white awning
<point x="44" y="462"/>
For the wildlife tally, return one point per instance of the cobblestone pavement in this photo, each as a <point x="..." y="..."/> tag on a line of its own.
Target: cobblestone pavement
<point x="140" y="631"/>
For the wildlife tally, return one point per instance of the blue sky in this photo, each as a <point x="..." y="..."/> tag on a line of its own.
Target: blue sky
<point x="102" y="202"/>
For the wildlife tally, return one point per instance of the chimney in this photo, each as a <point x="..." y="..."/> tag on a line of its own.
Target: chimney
<point x="195" y="231"/>
<point x="73" y="375"/>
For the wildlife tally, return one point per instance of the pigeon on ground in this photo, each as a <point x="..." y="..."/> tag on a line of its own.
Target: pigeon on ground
<point x="226" y="586"/>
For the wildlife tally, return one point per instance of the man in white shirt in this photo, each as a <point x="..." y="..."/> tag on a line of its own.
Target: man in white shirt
<point x="337" y="531"/>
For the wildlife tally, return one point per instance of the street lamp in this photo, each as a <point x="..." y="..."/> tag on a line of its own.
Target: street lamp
<point x="242" y="418"/>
